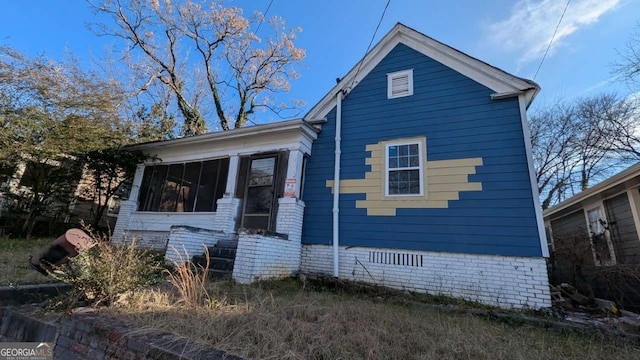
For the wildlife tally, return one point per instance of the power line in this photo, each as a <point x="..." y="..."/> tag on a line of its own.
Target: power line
<point x="370" y="42"/>
<point x="264" y="15"/>
<point x="552" y="38"/>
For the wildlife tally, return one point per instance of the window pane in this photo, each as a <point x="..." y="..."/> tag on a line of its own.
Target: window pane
<point x="259" y="200"/>
<point x="155" y="187"/>
<point x="595" y="221"/>
<point x="413" y="149"/>
<point x="188" y="192"/>
<point x="403" y="161"/>
<point x="144" y="188"/>
<point x="207" y="186"/>
<point x="222" y="181"/>
<point x="393" y="151"/>
<point x="261" y="172"/>
<point x="414" y="160"/>
<point x="393" y="162"/>
<point x="171" y="188"/>
<point x="402" y="150"/>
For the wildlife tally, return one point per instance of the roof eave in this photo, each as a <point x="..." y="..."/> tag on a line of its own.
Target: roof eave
<point x="306" y="128"/>
<point x="623" y="176"/>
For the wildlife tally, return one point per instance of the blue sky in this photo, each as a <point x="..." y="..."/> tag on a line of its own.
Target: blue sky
<point x="511" y="35"/>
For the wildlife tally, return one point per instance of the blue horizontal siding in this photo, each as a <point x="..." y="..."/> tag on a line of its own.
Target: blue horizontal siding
<point x="459" y="120"/>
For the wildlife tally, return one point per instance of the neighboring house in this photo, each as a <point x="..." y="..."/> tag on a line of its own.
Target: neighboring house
<point x="16" y="185"/>
<point x="595" y="230"/>
<point x="436" y="189"/>
<point x="595" y="239"/>
<point x="606" y="216"/>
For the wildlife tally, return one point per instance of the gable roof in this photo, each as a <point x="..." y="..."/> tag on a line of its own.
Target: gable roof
<point x="504" y="84"/>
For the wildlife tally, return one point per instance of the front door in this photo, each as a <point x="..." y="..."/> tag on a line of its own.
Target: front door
<point x="260" y="195"/>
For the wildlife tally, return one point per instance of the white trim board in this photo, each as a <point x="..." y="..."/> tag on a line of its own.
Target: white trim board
<point x="503" y="83"/>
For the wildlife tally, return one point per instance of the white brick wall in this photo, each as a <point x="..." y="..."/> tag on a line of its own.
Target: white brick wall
<point x="260" y="257"/>
<point x="153" y="240"/>
<point x="227" y="214"/>
<point x="508" y="282"/>
<point x="187" y="241"/>
<point x="127" y="207"/>
<point x="289" y="218"/>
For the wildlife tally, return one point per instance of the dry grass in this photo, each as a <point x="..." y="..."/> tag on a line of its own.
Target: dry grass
<point x="189" y="280"/>
<point x="14" y="258"/>
<point x="282" y="320"/>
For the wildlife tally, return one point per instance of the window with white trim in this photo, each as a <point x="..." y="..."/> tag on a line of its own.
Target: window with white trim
<point x="601" y="244"/>
<point x="399" y="84"/>
<point x="404" y="171"/>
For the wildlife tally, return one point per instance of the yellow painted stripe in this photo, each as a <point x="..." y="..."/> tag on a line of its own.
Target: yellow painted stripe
<point x="451" y="171"/>
<point x="454" y="163"/>
<point x="475" y="186"/>
<point x="386" y="204"/>
<point x="448" y="179"/>
<point x="381" y="212"/>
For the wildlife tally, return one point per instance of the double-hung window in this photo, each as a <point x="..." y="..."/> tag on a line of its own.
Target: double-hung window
<point x="404" y="169"/>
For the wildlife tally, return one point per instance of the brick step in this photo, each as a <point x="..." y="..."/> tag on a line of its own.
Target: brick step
<point x="215" y="263"/>
<point x="222" y="252"/>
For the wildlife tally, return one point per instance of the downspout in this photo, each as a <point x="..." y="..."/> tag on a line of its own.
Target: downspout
<point x="336" y="186"/>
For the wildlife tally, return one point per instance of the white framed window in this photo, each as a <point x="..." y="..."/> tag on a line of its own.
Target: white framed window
<point x="399" y="84"/>
<point x="404" y="171"/>
<point x="601" y="244"/>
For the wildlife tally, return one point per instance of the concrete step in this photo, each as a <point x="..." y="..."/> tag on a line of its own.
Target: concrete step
<point x="222" y="252"/>
<point x="215" y="263"/>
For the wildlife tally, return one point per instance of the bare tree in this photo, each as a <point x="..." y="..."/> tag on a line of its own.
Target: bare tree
<point x="206" y="54"/>
<point x="577" y="143"/>
<point x="628" y="68"/>
<point x="551" y="136"/>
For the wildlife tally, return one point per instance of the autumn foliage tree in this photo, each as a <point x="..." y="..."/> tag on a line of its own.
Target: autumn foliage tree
<point x="206" y="54"/>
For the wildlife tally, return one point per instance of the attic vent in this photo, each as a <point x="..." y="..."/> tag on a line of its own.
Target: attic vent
<point x="400" y="84"/>
<point x="379" y="257"/>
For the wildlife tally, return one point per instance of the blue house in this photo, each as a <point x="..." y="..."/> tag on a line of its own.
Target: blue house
<point x="413" y="172"/>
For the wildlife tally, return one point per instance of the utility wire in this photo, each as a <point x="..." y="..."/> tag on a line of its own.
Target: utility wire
<point x="370" y="42"/>
<point x="264" y="16"/>
<point x="552" y="38"/>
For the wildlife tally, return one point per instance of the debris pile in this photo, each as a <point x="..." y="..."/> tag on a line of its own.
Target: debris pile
<point x="600" y="313"/>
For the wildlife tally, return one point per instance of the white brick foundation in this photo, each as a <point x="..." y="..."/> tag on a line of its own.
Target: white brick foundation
<point x="152" y="240"/>
<point x="227" y="214"/>
<point x="508" y="282"/>
<point x="187" y="241"/>
<point x="262" y="257"/>
<point x="289" y="218"/>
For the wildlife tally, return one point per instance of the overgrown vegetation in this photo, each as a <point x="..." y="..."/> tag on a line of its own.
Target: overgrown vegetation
<point x="573" y="261"/>
<point x="105" y="272"/>
<point x="189" y="280"/>
<point x="291" y="320"/>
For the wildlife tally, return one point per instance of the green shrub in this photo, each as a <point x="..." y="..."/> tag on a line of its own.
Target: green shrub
<point x="104" y="272"/>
